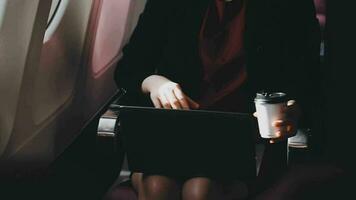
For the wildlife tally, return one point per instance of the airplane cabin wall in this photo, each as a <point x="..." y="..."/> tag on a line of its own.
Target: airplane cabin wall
<point x="56" y="77"/>
<point x="17" y="30"/>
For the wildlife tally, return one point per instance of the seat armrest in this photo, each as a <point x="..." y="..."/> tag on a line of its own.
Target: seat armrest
<point x="299" y="147"/>
<point x="300" y="140"/>
<point x="108" y="124"/>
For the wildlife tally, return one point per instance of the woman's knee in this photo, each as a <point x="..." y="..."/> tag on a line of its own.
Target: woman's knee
<point x="201" y="189"/>
<point x="158" y="187"/>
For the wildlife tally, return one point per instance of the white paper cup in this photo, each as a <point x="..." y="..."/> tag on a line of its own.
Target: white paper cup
<point x="269" y="108"/>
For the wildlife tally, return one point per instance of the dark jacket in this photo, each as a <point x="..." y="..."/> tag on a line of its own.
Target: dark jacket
<point x="282" y="42"/>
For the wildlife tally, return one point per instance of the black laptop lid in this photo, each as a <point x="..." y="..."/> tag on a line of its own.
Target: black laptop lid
<point x="188" y="143"/>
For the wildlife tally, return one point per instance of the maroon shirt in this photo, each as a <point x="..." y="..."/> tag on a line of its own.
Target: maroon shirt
<point x="222" y="55"/>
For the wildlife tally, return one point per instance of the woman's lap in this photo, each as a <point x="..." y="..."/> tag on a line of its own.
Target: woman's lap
<point x="193" y="186"/>
<point x="304" y="180"/>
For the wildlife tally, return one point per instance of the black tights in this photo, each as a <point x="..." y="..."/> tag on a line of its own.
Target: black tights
<point x="158" y="187"/>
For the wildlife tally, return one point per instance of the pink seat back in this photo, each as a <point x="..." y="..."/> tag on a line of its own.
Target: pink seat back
<point x="320" y="11"/>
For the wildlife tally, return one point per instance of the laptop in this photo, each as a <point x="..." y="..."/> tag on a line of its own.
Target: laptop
<point x="188" y="143"/>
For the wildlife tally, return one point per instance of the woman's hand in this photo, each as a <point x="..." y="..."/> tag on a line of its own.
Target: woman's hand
<point x="167" y="94"/>
<point x="288" y="126"/>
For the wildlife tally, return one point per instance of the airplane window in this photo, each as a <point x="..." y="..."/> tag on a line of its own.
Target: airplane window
<point x="2" y="11"/>
<point x="58" y="8"/>
<point x="52" y="12"/>
<point x="111" y="35"/>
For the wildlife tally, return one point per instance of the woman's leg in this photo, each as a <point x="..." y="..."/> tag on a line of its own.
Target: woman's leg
<point x="155" y="187"/>
<point x="207" y="189"/>
<point x="201" y="188"/>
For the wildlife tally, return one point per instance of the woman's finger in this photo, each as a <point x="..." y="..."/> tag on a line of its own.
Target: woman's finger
<point x="282" y="137"/>
<point x="291" y="103"/>
<point x="280" y="123"/>
<point x="172" y="100"/>
<point x="277" y="139"/>
<point x="156" y="102"/>
<point x="181" y="98"/>
<point x="288" y="125"/>
<point x="281" y="126"/>
<point x="192" y="103"/>
<point x="284" y="132"/>
<point x="164" y="101"/>
<point x="255" y="114"/>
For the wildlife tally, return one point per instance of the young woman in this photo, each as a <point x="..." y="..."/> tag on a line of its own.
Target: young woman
<point x="216" y="54"/>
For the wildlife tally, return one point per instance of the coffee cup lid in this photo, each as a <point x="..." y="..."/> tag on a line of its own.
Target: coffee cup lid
<point x="271" y="97"/>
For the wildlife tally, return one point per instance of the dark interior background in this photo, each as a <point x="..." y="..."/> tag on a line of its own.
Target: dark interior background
<point x="88" y="168"/>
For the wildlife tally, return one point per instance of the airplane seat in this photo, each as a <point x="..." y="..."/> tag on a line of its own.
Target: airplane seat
<point x="320" y="12"/>
<point x="320" y="6"/>
<point x="297" y="146"/>
<point x="108" y="129"/>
